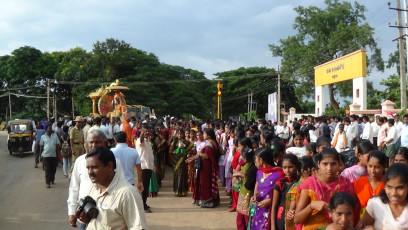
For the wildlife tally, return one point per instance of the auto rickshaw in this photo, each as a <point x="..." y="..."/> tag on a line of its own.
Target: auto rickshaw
<point x="20" y="136"/>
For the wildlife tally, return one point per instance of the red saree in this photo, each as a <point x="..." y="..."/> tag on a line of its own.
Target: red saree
<point x="206" y="192"/>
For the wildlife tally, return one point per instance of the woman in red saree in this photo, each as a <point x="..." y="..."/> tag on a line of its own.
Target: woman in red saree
<point x="206" y="193"/>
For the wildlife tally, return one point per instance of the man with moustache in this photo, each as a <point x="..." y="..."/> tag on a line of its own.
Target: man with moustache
<point x="80" y="182"/>
<point x="119" y="203"/>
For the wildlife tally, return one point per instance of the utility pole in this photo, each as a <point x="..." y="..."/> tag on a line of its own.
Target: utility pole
<point x="55" y="106"/>
<point x="48" y="100"/>
<point x="73" y="112"/>
<point x="10" y="104"/>
<point x="279" y="95"/>
<point x="403" y="85"/>
<point x="406" y="46"/>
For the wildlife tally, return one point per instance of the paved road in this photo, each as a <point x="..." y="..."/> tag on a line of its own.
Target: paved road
<point x="26" y="203"/>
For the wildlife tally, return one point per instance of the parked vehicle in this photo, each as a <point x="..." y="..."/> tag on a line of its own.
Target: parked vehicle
<point x="20" y="136"/>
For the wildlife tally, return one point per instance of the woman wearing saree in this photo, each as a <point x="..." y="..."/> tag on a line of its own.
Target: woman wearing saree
<point x="206" y="192"/>
<point x="180" y="148"/>
<point x="266" y="176"/>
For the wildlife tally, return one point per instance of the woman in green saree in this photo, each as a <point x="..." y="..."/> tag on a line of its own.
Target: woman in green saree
<point x="180" y="148"/>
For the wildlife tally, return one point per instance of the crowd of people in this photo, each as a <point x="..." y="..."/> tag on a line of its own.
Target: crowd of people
<point x="312" y="173"/>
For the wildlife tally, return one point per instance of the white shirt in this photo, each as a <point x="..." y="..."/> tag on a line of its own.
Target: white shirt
<point x="146" y="154"/>
<point x="384" y="220"/>
<point x="375" y="128"/>
<point x="391" y="134"/>
<point x="340" y="142"/>
<point x="107" y="129"/>
<point x="367" y="132"/>
<point x="116" y="129"/>
<point x="279" y="129"/>
<point x="81" y="183"/>
<point x="352" y="132"/>
<point x="398" y="125"/>
<point x="298" y="151"/>
<point x="129" y="157"/>
<point x="312" y="135"/>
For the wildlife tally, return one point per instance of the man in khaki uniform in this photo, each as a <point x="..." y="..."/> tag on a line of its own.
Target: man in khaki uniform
<point x="77" y="139"/>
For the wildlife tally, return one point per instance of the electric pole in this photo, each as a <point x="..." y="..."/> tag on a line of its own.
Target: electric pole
<point x="48" y="100"/>
<point x="9" y="104"/>
<point x="278" y="98"/>
<point x="403" y="85"/>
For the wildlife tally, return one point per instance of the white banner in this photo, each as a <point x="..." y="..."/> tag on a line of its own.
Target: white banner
<point x="272" y="107"/>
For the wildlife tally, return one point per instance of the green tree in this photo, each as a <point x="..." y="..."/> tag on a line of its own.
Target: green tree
<point x="323" y="35"/>
<point x="261" y="81"/>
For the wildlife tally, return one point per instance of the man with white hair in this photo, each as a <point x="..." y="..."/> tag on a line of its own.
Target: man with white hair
<point x="80" y="182"/>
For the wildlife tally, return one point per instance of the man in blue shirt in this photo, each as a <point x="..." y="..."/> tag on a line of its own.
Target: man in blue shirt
<point x="38" y="134"/>
<point x="49" y="144"/>
<point x="129" y="158"/>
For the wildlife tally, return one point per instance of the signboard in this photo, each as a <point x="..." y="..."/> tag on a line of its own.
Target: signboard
<point x="272" y="107"/>
<point x="342" y="69"/>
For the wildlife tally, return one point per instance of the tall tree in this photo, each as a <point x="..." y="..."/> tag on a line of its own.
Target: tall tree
<point x="261" y="81"/>
<point x="323" y="35"/>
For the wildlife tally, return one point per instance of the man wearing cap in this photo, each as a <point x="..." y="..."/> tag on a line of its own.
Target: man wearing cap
<point x="77" y="139"/>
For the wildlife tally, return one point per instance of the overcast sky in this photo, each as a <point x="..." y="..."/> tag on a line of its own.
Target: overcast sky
<point x="208" y="36"/>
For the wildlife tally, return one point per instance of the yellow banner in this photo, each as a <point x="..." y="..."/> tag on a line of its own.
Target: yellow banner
<point x="342" y="69"/>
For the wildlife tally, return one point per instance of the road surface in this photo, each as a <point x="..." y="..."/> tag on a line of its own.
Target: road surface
<point x="27" y="204"/>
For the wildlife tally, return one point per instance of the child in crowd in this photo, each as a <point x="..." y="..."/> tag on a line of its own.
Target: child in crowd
<point x="299" y="150"/>
<point x="280" y="205"/>
<point x="278" y="151"/>
<point x="362" y="151"/>
<point x="306" y="166"/>
<point x="245" y="192"/>
<point x="322" y="143"/>
<point x="266" y="176"/>
<point x="390" y="209"/>
<point x="401" y="156"/>
<point x="369" y="186"/>
<point x="243" y="144"/>
<point x="228" y="161"/>
<point x="316" y="191"/>
<point x="311" y="149"/>
<point x="341" y="208"/>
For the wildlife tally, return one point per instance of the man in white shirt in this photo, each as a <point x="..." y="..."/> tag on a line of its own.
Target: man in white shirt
<point x="367" y="131"/>
<point x="279" y="129"/>
<point x="96" y="124"/>
<point x="390" y="141"/>
<point x="80" y="182"/>
<point x="117" y="127"/>
<point x="339" y="141"/>
<point x="147" y="161"/>
<point x="119" y="204"/>
<point x="352" y="131"/>
<point x="129" y="158"/>
<point x="398" y="126"/>
<point x="375" y="128"/>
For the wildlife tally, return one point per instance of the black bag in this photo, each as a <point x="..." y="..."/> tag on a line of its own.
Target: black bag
<point x="197" y="163"/>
